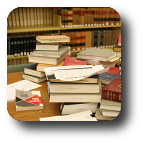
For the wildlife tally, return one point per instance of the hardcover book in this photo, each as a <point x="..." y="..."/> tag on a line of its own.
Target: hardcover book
<point x="112" y="91"/>
<point x="47" y="60"/>
<point x="106" y="78"/>
<point x="51" y="54"/>
<point x="100" y="116"/>
<point x="76" y="87"/>
<point x="31" y="70"/>
<point x="91" y="79"/>
<point x="117" y="48"/>
<point x="47" y="46"/>
<point x="52" y="38"/>
<point x="33" y="78"/>
<point x="75" y="98"/>
<point x="96" y="53"/>
<point x="119" y="41"/>
<point x="41" y="66"/>
<point x="28" y="100"/>
<point x="71" y="61"/>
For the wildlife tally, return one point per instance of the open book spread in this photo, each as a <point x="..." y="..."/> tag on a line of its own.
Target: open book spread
<point x="72" y="73"/>
<point x="81" y="116"/>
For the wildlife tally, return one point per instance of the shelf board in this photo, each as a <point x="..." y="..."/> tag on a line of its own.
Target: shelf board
<point x="91" y="27"/>
<point x="16" y="57"/>
<point x="35" y="28"/>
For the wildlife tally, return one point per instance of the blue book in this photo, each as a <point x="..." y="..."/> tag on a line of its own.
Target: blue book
<point x="31" y="70"/>
<point x="33" y="78"/>
<point x="106" y="78"/>
<point x="101" y="40"/>
<point x="95" y="38"/>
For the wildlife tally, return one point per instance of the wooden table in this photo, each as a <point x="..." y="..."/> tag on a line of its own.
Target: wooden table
<point x="50" y="109"/>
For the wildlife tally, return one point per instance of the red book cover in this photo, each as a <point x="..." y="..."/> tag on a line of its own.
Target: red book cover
<point x="71" y="61"/>
<point x="119" y="41"/>
<point x="114" y="70"/>
<point x="112" y="91"/>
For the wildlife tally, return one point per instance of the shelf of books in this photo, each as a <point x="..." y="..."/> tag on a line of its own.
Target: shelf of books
<point x="86" y="27"/>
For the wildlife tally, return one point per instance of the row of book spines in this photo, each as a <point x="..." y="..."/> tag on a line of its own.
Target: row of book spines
<point x="111" y="95"/>
<point x="20" y="46"/>
<point x="89" y="17"/>
<point x="25" y="16"/>
<point x="83" y="40"/>
<point x="17" y="61"/>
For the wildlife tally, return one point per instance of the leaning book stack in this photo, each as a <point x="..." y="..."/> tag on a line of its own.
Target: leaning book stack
<point x="48" y="50"/>
<point x="76" y="96"/>
<point x="110" y="106"/>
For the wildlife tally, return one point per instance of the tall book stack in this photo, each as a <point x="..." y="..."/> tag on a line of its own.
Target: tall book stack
<point x="76" y="96"/>
<point x="48" y="50"/>
<point x="110" y="106"/>
<point x="48" y="53"/>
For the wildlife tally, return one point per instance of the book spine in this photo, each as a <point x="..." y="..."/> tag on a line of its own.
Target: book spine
<point x="69" y="18"/>
<point x="111" y="95"/>
<point x="83" y="16"/>
<point x="99" y="38"/>
<point x="107" y="16"/>
<point x="101" y="41"/>
<point x="86" y="17"/>
<point x="103" y="16"/>
<point x="117" y="18"/>
<point x="95" y="16"/>
<point x="89" y="16"/>
<point x="66" y="17"/>
<point x="95" y="38"/>
<point x="104" y="39"/>
<point x="63" y="18"/>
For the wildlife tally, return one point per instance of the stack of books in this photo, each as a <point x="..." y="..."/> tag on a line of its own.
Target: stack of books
<point x="31" y="74"/>
<point x="48" y="50"/>
<point x="76" y="96"/>
<point x="97" y="56"/>
<point x="110" y="106"/>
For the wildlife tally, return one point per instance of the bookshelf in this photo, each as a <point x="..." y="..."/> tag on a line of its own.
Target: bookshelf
<point x="23" y="20"/>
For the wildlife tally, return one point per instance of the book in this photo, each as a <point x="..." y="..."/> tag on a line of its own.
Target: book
<point x="96" y="53"/>
<point x="70" y="108"/>
<point x="40" y="67"/>
<point x="117" y="48"/>
<point x="108" y="113"/>
<point x="114" y="70"/>
<point x="51" y="54"/>
<point x="28" y="100"/>
<point x="75" y="97"/>
<point x="119" y="41"/>
<point x="104" y="64"/>
<point x="106" y="78"/>
<point x="74" y="88"/>
<point x="112" y="91"/>
<point x="110" y="103"/>
<point x="47" y="46"/>
<point x="46" y="60"/>
<point x="31" y="70"/>
<point x="52" y="38"/>
<point x="33" y="78"/>
<point x="71" y="61"/>
<point x="99" y="115"/>
<point x="91" y="79"/>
